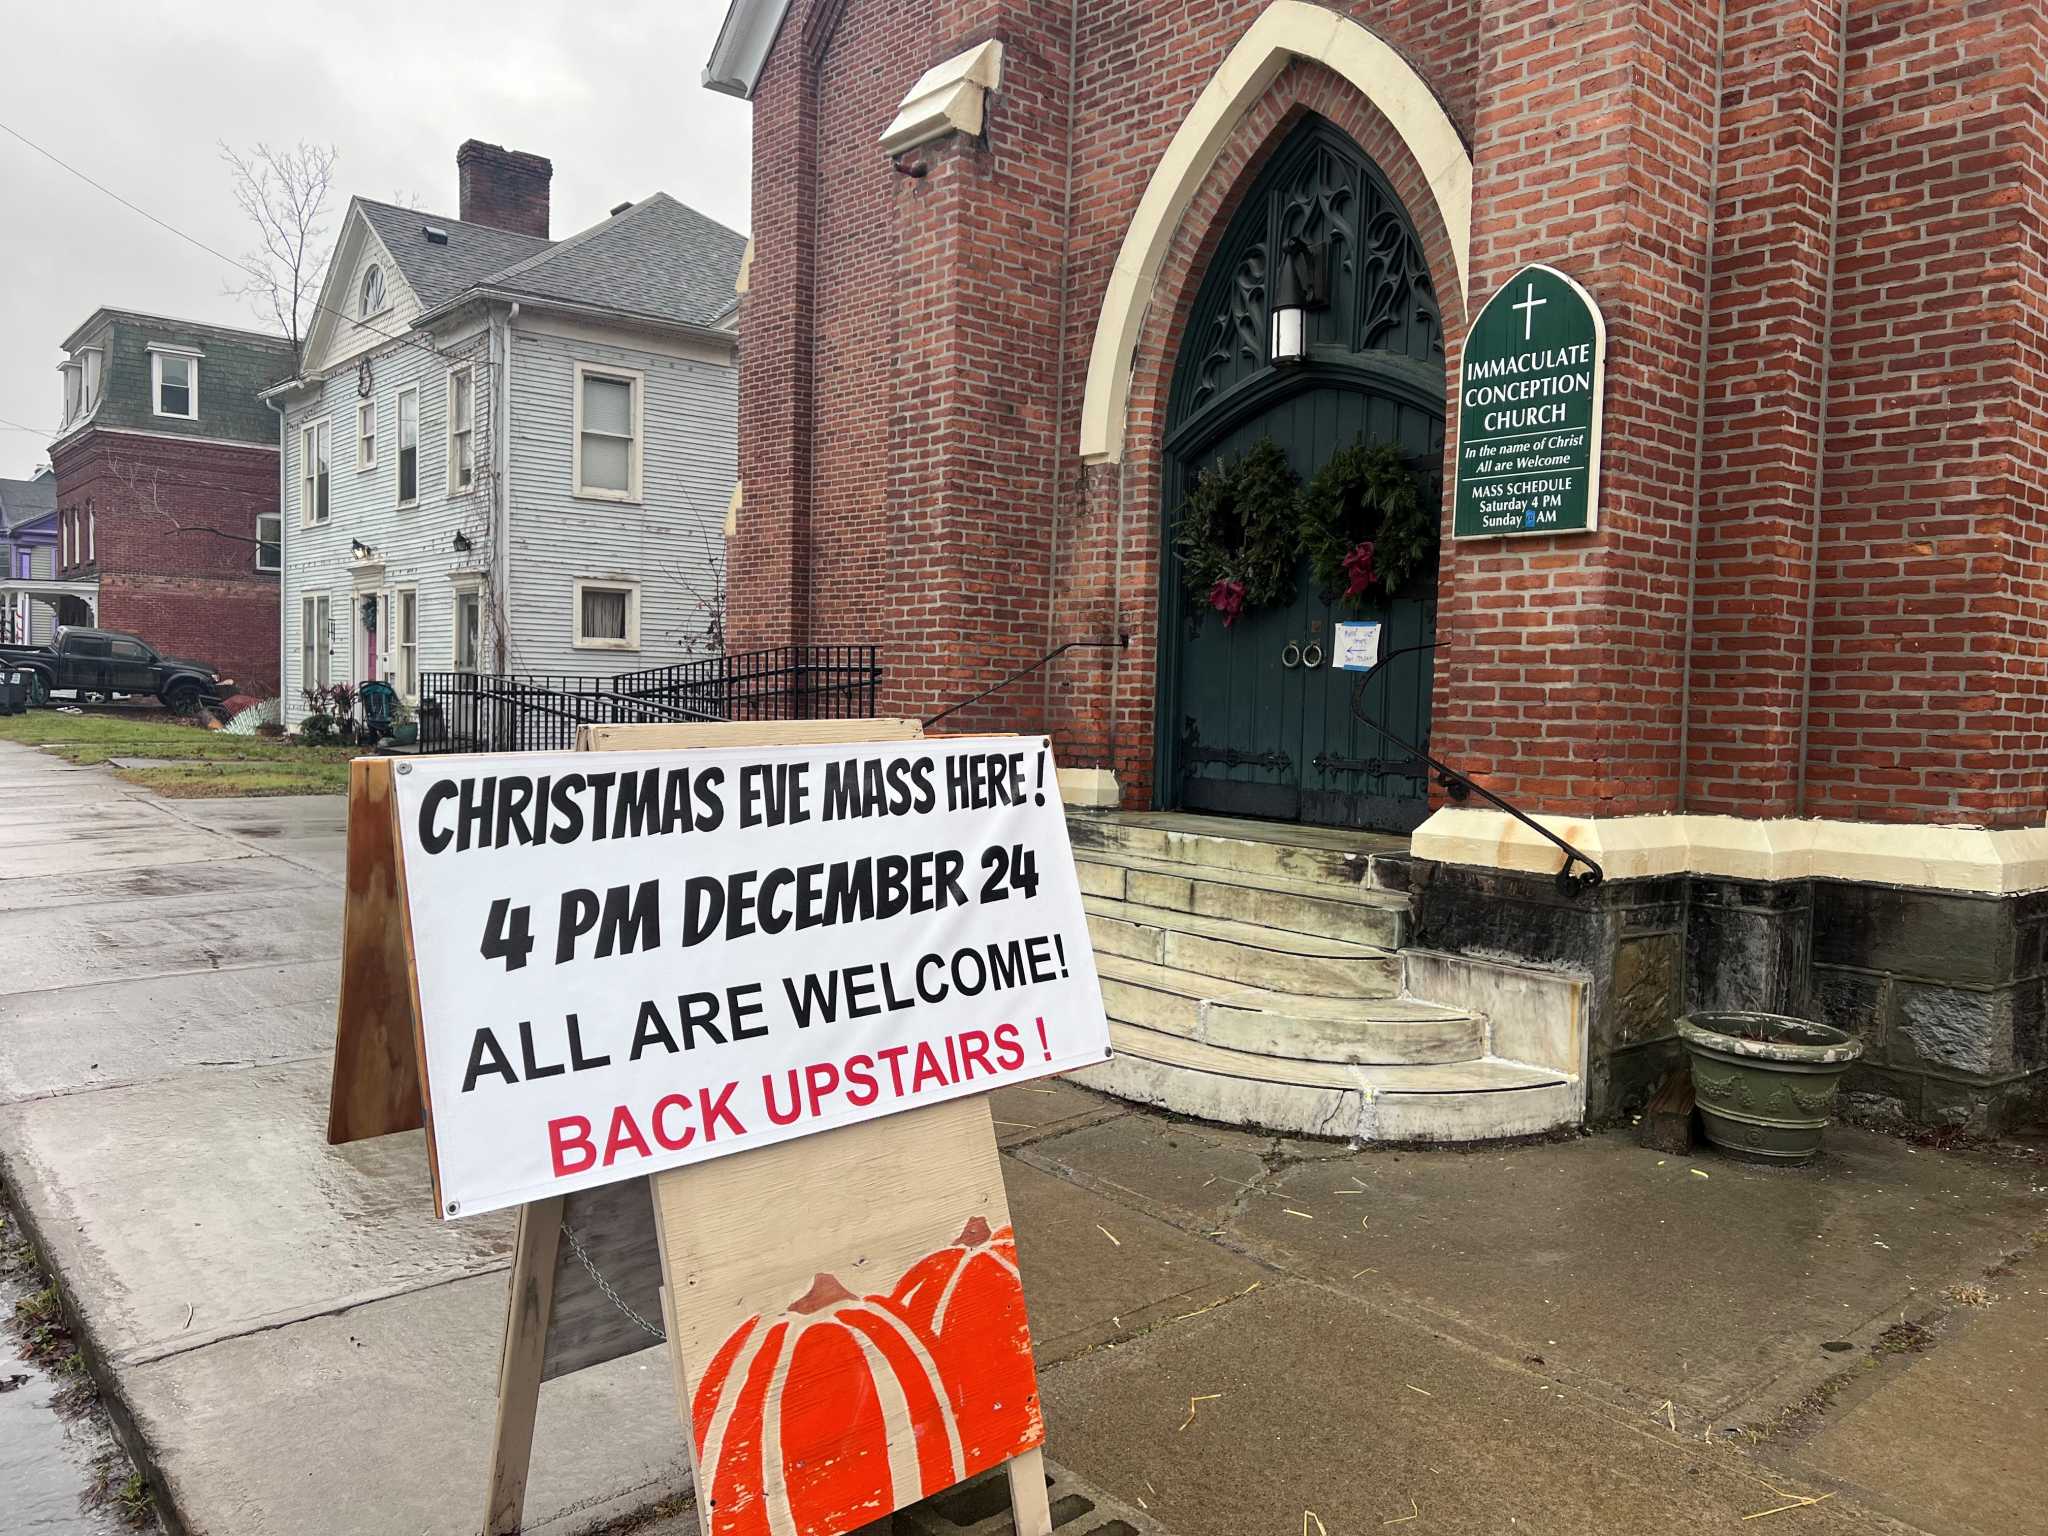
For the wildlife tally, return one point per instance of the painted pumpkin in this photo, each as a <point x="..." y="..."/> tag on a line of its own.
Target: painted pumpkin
<point x="968" y="1302"/>
<point x="820" y="1420"/>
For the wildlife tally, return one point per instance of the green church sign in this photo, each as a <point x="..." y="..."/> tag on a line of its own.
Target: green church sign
<point x="1529" y="410"/>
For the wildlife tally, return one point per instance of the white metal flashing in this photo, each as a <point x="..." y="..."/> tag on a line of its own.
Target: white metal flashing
<point x="948" y="98"/>
<point x="741" y="52"/>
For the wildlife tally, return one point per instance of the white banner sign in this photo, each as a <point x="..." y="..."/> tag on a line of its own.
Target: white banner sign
<point x="630" y="961"/>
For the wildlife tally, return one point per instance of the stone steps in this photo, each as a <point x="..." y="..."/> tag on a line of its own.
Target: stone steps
<point x="1335" y="910"/>
<point x="1282" y="1026"/>
<point x="1295" y="853"/>
<point x="1477" y="1100"/>
<point x="1246" y="953"/>
<point x="1252" y="975"/>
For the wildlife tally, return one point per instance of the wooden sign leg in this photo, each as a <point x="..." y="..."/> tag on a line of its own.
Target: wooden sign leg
<point x="526" y="1340"/>
<point x="1029" y="1511"/>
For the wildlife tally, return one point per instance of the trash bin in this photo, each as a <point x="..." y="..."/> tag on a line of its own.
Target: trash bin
<point x="13" y="692"/>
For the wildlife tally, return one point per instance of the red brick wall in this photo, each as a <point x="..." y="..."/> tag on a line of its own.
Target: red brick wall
<point x="1566" y="656"/>
<point x="1929" y="642"/>
<point x="915" y="353"/>
<point x="1768" y="329"/>
<point x="175" y="545"/>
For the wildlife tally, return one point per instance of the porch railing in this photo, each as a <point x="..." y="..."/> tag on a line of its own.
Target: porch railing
<point x="539" y="712"/>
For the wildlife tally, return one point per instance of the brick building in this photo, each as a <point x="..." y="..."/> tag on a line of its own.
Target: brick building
<point x="167" y="486"/>
<point x="1013" y="291"/>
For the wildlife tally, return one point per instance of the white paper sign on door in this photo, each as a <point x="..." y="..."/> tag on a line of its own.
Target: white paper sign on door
<point x="638" y="960"/>
<point x="1355" y="647"/>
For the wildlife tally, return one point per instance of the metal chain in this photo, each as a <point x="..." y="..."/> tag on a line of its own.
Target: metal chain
<point x="604" y="1285"/>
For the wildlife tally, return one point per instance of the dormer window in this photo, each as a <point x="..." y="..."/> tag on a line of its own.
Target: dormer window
<point x="89" y="379"/>
<point x="174" y="382"/>
<point x="373" y="292"/>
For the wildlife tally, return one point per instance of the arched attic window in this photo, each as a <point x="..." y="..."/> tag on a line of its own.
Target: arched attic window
<point x="373" y="292"/>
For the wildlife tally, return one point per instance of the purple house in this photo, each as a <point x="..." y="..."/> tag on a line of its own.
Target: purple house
<point x="32" y="601"/>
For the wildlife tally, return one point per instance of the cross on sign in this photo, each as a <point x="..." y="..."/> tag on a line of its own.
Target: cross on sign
<point x="1529" y="305"/>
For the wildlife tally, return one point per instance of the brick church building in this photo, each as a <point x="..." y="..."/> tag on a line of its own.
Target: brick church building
<point x="1018" y="285"/>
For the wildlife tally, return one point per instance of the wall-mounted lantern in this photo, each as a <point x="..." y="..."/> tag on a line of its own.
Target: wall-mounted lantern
<point x="1299" y="285"/>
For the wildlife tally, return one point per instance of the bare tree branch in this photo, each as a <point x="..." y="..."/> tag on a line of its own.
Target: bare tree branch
<point x="283" y="193"/>
<point x="704" y="591"/>
<point x="149" y="494"/>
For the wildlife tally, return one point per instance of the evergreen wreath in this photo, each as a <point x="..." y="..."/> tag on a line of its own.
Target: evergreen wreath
<point x="1365" y="523"/>
<point x="1237" y="533"/>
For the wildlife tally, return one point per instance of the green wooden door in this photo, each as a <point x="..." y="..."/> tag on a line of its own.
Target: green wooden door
<point x="1255" y="719"/>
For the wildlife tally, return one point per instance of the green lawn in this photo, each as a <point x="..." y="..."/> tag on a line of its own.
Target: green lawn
<point x="209" y="763"/>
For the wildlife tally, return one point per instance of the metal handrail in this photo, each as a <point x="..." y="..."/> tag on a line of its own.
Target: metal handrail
<point x="1121" y="642"/>
<point x="527" y="698"/>
<point x="1457" y="785"/>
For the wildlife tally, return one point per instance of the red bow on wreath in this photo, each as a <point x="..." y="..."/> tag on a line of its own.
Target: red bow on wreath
<point x="1358" y="571"/>
<point x="1227" y="598"/>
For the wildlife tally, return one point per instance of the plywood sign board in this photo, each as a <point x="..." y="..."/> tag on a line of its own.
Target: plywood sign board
<point x="376" y="1085"/>
<point x="847" y="1322"/>
<point x="676" y="957"/>
<point x="823" y="940"/>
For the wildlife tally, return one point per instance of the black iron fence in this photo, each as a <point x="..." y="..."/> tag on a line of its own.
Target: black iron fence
<point x="539" y="712"/>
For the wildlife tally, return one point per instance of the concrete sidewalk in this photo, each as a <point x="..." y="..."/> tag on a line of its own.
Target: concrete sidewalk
<point x="1572" y="1337"/>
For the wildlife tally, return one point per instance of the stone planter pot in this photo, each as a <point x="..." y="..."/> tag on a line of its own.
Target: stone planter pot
<point x="1764" y="1083"/>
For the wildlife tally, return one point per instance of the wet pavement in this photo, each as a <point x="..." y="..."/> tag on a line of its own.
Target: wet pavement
<point x="1575" y="1336"/>
<point x="51" y="1455"/>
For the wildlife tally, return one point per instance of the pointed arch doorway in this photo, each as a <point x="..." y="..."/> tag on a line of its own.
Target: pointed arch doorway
<point x="1255" y="719"/>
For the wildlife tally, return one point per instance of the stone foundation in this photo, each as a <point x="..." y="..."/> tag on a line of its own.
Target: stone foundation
<point x="1947" y="991"/>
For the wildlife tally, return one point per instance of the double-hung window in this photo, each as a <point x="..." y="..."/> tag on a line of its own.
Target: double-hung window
<point x="607" y="616"/>
<point x="313" y="466"/>
<point x="314" y="619"/>
<point x="469" y="628"/>
<point x="269" y="541"/>
<point x="366" y="435"/>
<point x="405" y="630"/>
<point x="609" y="410"/>
<point x="461" y="430"/>
<point x="408" y="446"/>
<point x="174" y="383"/>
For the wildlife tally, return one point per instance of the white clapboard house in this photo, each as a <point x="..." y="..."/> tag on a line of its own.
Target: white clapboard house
<point x="505" y="453"/>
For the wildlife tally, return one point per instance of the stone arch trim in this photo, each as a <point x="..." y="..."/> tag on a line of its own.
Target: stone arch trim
<point x="1285" y="31"/>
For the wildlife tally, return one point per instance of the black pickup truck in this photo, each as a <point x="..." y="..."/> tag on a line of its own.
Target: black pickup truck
<point x="107" y="663"/>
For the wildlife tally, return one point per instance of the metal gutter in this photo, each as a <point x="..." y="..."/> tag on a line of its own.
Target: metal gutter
<point x="744" y="43"/>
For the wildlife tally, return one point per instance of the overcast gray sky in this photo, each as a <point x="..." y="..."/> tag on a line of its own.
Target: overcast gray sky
<point x="138" y="95"/>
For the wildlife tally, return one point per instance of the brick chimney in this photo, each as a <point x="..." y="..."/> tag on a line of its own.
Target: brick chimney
<point x="504" y="188"/>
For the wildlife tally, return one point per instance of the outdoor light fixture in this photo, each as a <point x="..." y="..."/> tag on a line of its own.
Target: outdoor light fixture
<point x="358" y="550"/>
<point x="1298" y="287"/>
<point x="462" y="544"/>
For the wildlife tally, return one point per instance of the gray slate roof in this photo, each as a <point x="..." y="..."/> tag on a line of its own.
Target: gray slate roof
<point x="659" y="260"/>
<point x="23" y="501"/>
<point x="437" y="273"/>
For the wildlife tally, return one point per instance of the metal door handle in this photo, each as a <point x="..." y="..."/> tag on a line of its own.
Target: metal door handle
<point x="1290" y="655"/>
<point x="1313" y="656"/>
